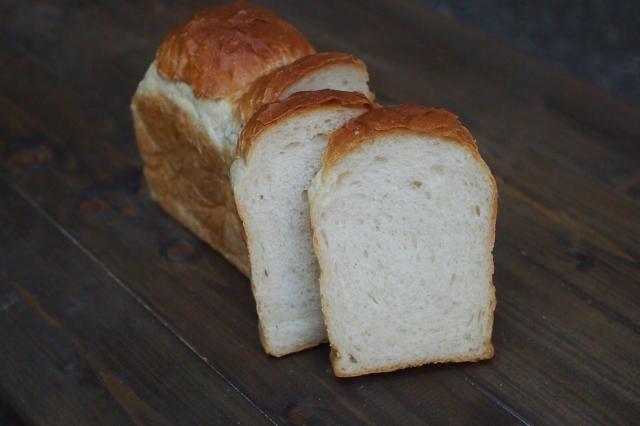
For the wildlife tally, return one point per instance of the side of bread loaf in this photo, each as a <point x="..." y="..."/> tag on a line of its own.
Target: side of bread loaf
<point x="186" y="145"/>
<point x="403" y="214"/>
<point x="185" y="116"/>
<point x="279" y="153"/>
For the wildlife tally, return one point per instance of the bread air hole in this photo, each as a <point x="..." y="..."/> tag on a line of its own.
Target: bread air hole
<point x="416" y="184"/>
<point x="476" y="209"/>
<point x="321" y="137"/>
<point x="438" y="169"/>
<point x="289" y="146"/>
<point x="345" y="83"/>
<point x="352" y="359"/>
<point x="341" y="178"/>
<point x="380" y="158"/>
<point x="373" y="298"/>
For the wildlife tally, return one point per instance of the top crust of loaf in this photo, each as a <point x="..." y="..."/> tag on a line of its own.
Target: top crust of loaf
<point x="274" y="112"/>
<point x="401" y="118"/>
<point x="220" y="50"/>
<point x="268" y="88"/>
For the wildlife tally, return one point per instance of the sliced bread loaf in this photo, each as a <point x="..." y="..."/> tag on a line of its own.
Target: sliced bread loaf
<point x="403" y="214"/>
<point x="279" y="153"/>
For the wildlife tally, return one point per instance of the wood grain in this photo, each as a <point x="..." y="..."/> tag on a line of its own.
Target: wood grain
<point x="78" y="350"/>
<point x="568" y="243"/>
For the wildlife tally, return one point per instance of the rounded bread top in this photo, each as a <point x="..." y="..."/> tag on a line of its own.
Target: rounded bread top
<point x="273" y="113"/>
<point x="406" y="118"/>
<point x="222" y="49"/>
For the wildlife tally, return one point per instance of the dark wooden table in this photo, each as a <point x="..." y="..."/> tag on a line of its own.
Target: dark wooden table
<point x="111" y="313"/>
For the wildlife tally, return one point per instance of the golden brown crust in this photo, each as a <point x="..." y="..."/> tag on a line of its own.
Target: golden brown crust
<point x="491" y="243"/>
<point x="402" y="118"/>
<point x="189" y="179"/>
<point x="275" y="111"/>
<point x="487" y="354"/>
<point x="276" y="354"/>
<point x="220" y="50"/>
<point x="268" y="88"/>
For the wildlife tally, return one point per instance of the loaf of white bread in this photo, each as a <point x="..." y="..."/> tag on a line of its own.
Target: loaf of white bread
<point x="208" y="77"/>
<point x="402" y="205"/>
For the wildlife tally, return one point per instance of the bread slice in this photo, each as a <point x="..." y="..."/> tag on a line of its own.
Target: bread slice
<point x="196" y="96"/>
<point x="325" y="70"/>
<point x="403" y="214"/>
<point x="279" y="153"/>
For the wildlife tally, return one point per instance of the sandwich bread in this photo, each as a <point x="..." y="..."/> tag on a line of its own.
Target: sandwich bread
<point x="403" y="214"/>
<point x="279" y="153"/>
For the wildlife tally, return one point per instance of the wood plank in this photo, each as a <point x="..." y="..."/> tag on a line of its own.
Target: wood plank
<point x="556" y="250"/>
<point x="208" y="302"/>
<point x="77" y="349"/>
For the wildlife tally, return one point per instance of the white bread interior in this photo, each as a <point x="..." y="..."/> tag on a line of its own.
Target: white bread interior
<point x="270" y="187"/>
<point x="403" y="231"/>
